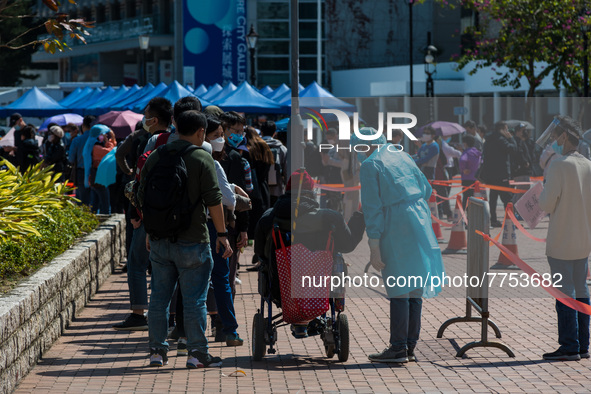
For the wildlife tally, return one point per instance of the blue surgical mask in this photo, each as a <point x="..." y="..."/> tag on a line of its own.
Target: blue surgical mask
<point x="557" y="148"/>
<point x="17" y="127"/>
<point x="68" y="135"/>
<point x="361" y="156"/>
<point x="235" y="139"/>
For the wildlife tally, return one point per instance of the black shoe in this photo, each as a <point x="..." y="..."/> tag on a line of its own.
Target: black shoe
<point x="411" y="354"/>
<point x="133" y="322"/>
<point x="197" y="359"/>
<point x="390" y="355"/>
<point x="496" y="223"/>
<point x="584" y="354"/>
<point x="124" y="268"/>
<point x="559" y="355"/>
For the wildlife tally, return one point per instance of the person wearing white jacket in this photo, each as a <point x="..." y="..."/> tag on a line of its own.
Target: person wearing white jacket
<point x="566" y="197"/>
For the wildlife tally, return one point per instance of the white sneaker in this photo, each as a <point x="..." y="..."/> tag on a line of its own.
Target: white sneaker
<point x="181" y="347"/>
<point x="237" y="281"/>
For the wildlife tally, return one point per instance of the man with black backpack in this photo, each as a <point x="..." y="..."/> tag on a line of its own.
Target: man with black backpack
<point x="178" y="182"/>
<point x="157" y="119"/>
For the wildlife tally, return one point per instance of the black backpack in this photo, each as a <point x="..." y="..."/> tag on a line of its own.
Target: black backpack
<point x="166" y="207"/>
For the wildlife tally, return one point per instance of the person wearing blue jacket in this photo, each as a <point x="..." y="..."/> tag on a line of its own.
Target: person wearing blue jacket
<point x="75" y="156"/>
<point x="428" y="154"/>
<point x="394" y="195"/>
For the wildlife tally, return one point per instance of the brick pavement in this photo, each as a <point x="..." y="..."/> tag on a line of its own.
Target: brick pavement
<point x="92" y="357"/>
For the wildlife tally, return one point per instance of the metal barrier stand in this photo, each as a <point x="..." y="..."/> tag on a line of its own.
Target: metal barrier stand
<point x="477" y="265"/>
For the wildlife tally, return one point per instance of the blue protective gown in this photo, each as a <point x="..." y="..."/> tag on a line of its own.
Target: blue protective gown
<point x="93" y="134"/>
<point x="394" y="194"/>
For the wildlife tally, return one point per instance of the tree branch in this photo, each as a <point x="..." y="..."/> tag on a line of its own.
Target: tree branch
<point x="24" y="33"/>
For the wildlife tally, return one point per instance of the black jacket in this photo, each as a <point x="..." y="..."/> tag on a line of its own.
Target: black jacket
<point x="496" y="158"/>
<point x="312" y="225"/>
<point x="31" y="151"/>
<point x="521" y="161"/>
<point x="234" y="169"/>
<point x="56" y="155"/>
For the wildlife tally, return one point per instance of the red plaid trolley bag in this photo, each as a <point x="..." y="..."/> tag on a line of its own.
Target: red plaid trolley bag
<point x="303" y="303"/>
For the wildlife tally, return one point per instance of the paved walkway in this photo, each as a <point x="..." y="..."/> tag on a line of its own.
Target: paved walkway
<point x="92" y="357"/>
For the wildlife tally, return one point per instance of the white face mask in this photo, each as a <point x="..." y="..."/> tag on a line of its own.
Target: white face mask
<point x="51" y="138"/>
<point x="144" y="125"/>
<point x="426" y="138"/>
<point x="217" y="144"/>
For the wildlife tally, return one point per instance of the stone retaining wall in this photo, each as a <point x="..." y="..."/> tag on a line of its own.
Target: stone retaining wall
<point x="36" y="313"/>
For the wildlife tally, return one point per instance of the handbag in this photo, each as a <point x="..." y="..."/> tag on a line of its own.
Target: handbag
<point x="302" y="298"/>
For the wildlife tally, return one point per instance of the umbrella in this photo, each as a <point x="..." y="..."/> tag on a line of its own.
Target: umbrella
<point x="513" y="124"/>
<point x="121" y="122"/>
<point x="62" y="120"/>
<point x="442" y="128"/>
<point x="107" y="169"/>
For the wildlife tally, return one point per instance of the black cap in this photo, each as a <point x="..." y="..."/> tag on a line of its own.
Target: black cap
<point x="15" y="117"/>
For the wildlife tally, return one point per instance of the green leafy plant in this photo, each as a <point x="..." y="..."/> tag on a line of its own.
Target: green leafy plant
<point x="38" y="220"/>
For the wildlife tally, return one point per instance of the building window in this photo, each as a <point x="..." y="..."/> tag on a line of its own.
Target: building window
<point x="115" y="11"/>
<point x="130" y="9"/>
<point x="147" y="7"/>
<point x="101" y="13"/>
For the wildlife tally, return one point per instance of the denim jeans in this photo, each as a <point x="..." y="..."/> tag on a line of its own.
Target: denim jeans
<point x="220" y="279"/>
<point x="573" y="326"/>
<point x="191" y="265"/>
<point x="405" y="319"/>
<point x="138" y="259"/>
<point x="82" y="192"/>
<point x="103" y="205"/>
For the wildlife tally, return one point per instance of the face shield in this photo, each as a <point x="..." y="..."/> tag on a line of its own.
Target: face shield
<point x="551" y="133"/>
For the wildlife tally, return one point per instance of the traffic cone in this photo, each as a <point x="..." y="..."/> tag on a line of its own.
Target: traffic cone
<point x="457" y="241"/>
<point x="479" y="192"/>
<point x="510" y="242"/>
<point x="435" y="213"/>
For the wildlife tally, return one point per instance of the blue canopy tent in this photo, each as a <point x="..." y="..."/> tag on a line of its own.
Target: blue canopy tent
<point x="247" y="99"/>
<point x="113" y="100"/>
<point x="266" y="91"/>
<point x="189" y="88"/>
<point x="176" y="91"/>
<point x="200" y="91"/>
<point x="280" y="91"/>
<point x="140" y="104"/>
<point x="212" y="91"/>
<point x="80" y="105"/>
<point x="316" y="97"/>
<point x="102" y="105"/>
<point x="225" y="92"/>
<point x="131" y="99"/>
<point x="34" y="103"/>
<point x="75" y="96"/>
<point x="282" y="124"/>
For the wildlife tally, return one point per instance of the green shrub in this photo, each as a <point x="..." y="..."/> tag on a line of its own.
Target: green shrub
<point x="58" y="230"/>
<point x="38" y="220"/>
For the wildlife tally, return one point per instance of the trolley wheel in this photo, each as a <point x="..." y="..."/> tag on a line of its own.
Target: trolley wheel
<point x="258" y="337"/>
<point x="343" y="334"/>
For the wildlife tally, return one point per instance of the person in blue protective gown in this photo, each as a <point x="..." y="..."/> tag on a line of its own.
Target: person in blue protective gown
<point x="402" y="243"/>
